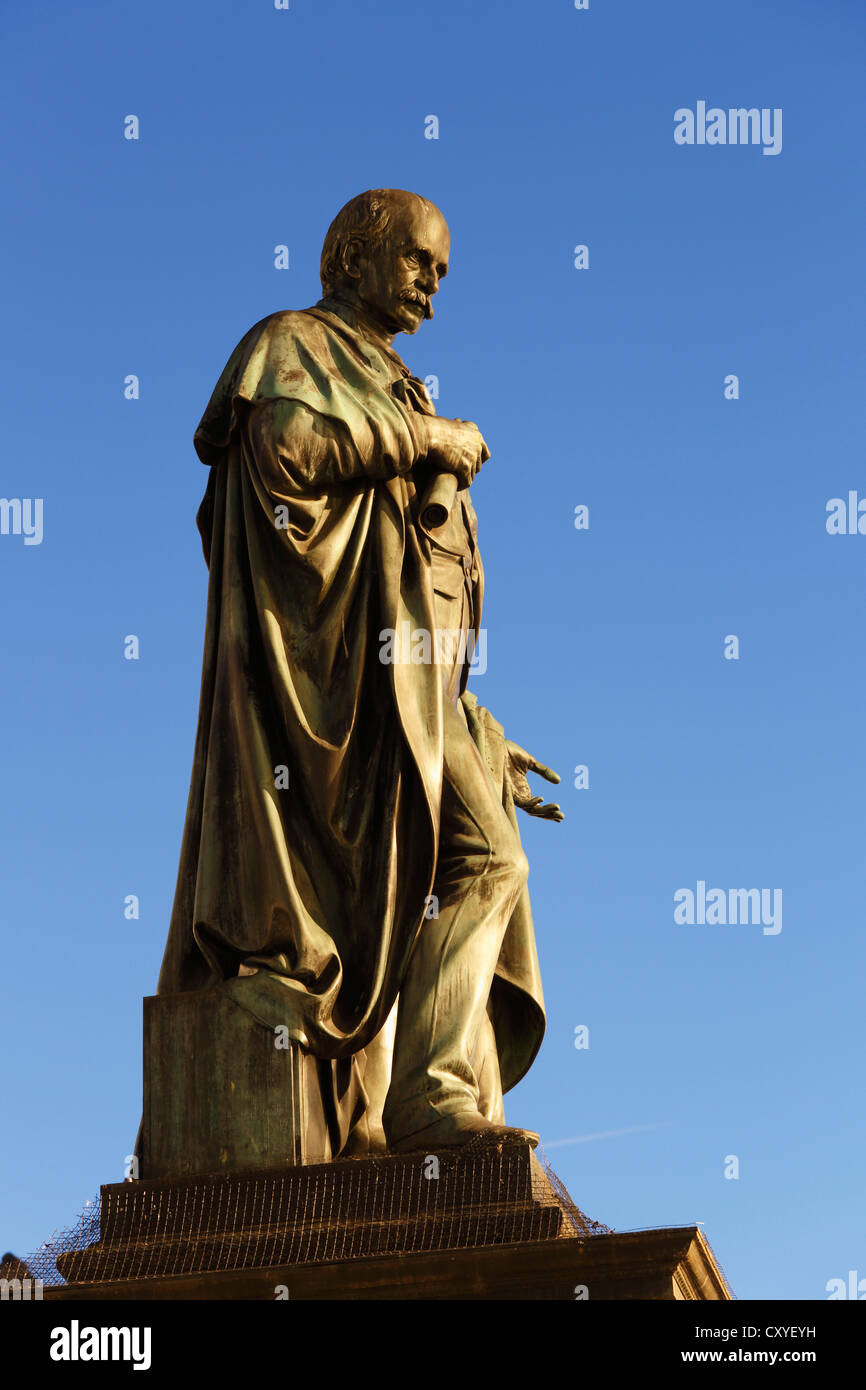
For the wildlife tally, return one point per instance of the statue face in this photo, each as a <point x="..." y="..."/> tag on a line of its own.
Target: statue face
<point x="399" y="279"/>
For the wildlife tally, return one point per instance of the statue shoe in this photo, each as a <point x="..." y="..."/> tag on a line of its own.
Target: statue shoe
<point x="466" y="1130"/>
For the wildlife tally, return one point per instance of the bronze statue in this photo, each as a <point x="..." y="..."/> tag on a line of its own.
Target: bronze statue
<point x="351" y="867"/>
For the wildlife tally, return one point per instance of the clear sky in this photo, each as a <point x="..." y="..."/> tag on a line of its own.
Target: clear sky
<point x="602" y="386"/>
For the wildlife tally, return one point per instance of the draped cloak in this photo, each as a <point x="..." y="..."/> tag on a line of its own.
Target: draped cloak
<point x="312" y="825"/>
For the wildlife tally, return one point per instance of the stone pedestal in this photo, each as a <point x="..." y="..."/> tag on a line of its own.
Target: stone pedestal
<point x="493" y="1225"/>
<point x="237" y="1198"/>
<point x="221" y="1095"/>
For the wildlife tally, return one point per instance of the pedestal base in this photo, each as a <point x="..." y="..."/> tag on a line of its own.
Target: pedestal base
<point x="493" y="1225"/>
<point x="662" y="1265"/>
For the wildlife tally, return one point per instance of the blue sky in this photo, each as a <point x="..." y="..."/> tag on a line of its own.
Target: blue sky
<point x="602" y="387"/>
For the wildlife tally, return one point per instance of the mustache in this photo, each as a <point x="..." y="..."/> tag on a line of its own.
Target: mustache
<point x="411" y="296"/>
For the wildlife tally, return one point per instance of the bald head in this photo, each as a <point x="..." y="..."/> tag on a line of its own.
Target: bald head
<point x="386" y="252"/>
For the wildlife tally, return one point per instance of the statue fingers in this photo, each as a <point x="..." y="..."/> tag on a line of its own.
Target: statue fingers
<point x="546" y="772"/>
<point x="551" y="811"/>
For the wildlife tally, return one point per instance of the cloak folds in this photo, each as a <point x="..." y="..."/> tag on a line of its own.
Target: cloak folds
<point x="310" y="533"/>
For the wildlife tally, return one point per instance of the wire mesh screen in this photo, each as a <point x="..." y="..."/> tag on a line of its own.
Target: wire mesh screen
<point x="41" y="1264"/>
<point x="347" y="1210"/>
<point x="581" y="1224"/>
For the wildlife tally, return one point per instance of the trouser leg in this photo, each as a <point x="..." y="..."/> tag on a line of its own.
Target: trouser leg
<point x="485" y="1064"/>
<point x="480" y="875"/>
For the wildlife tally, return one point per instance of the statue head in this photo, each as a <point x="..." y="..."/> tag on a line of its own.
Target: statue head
<point x="386" y="252"/>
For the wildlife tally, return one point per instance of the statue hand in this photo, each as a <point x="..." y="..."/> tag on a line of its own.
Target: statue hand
<point x="518" y="763"/>
<point x="455" y="446"/>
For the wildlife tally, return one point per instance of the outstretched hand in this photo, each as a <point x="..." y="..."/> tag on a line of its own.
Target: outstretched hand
<point x="518" y="763"/>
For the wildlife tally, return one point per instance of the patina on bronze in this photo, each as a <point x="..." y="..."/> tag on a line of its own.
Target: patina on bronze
<point x="351" y="866"/>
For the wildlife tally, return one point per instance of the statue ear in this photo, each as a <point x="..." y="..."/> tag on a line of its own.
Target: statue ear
<point x="351" y="256"/>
